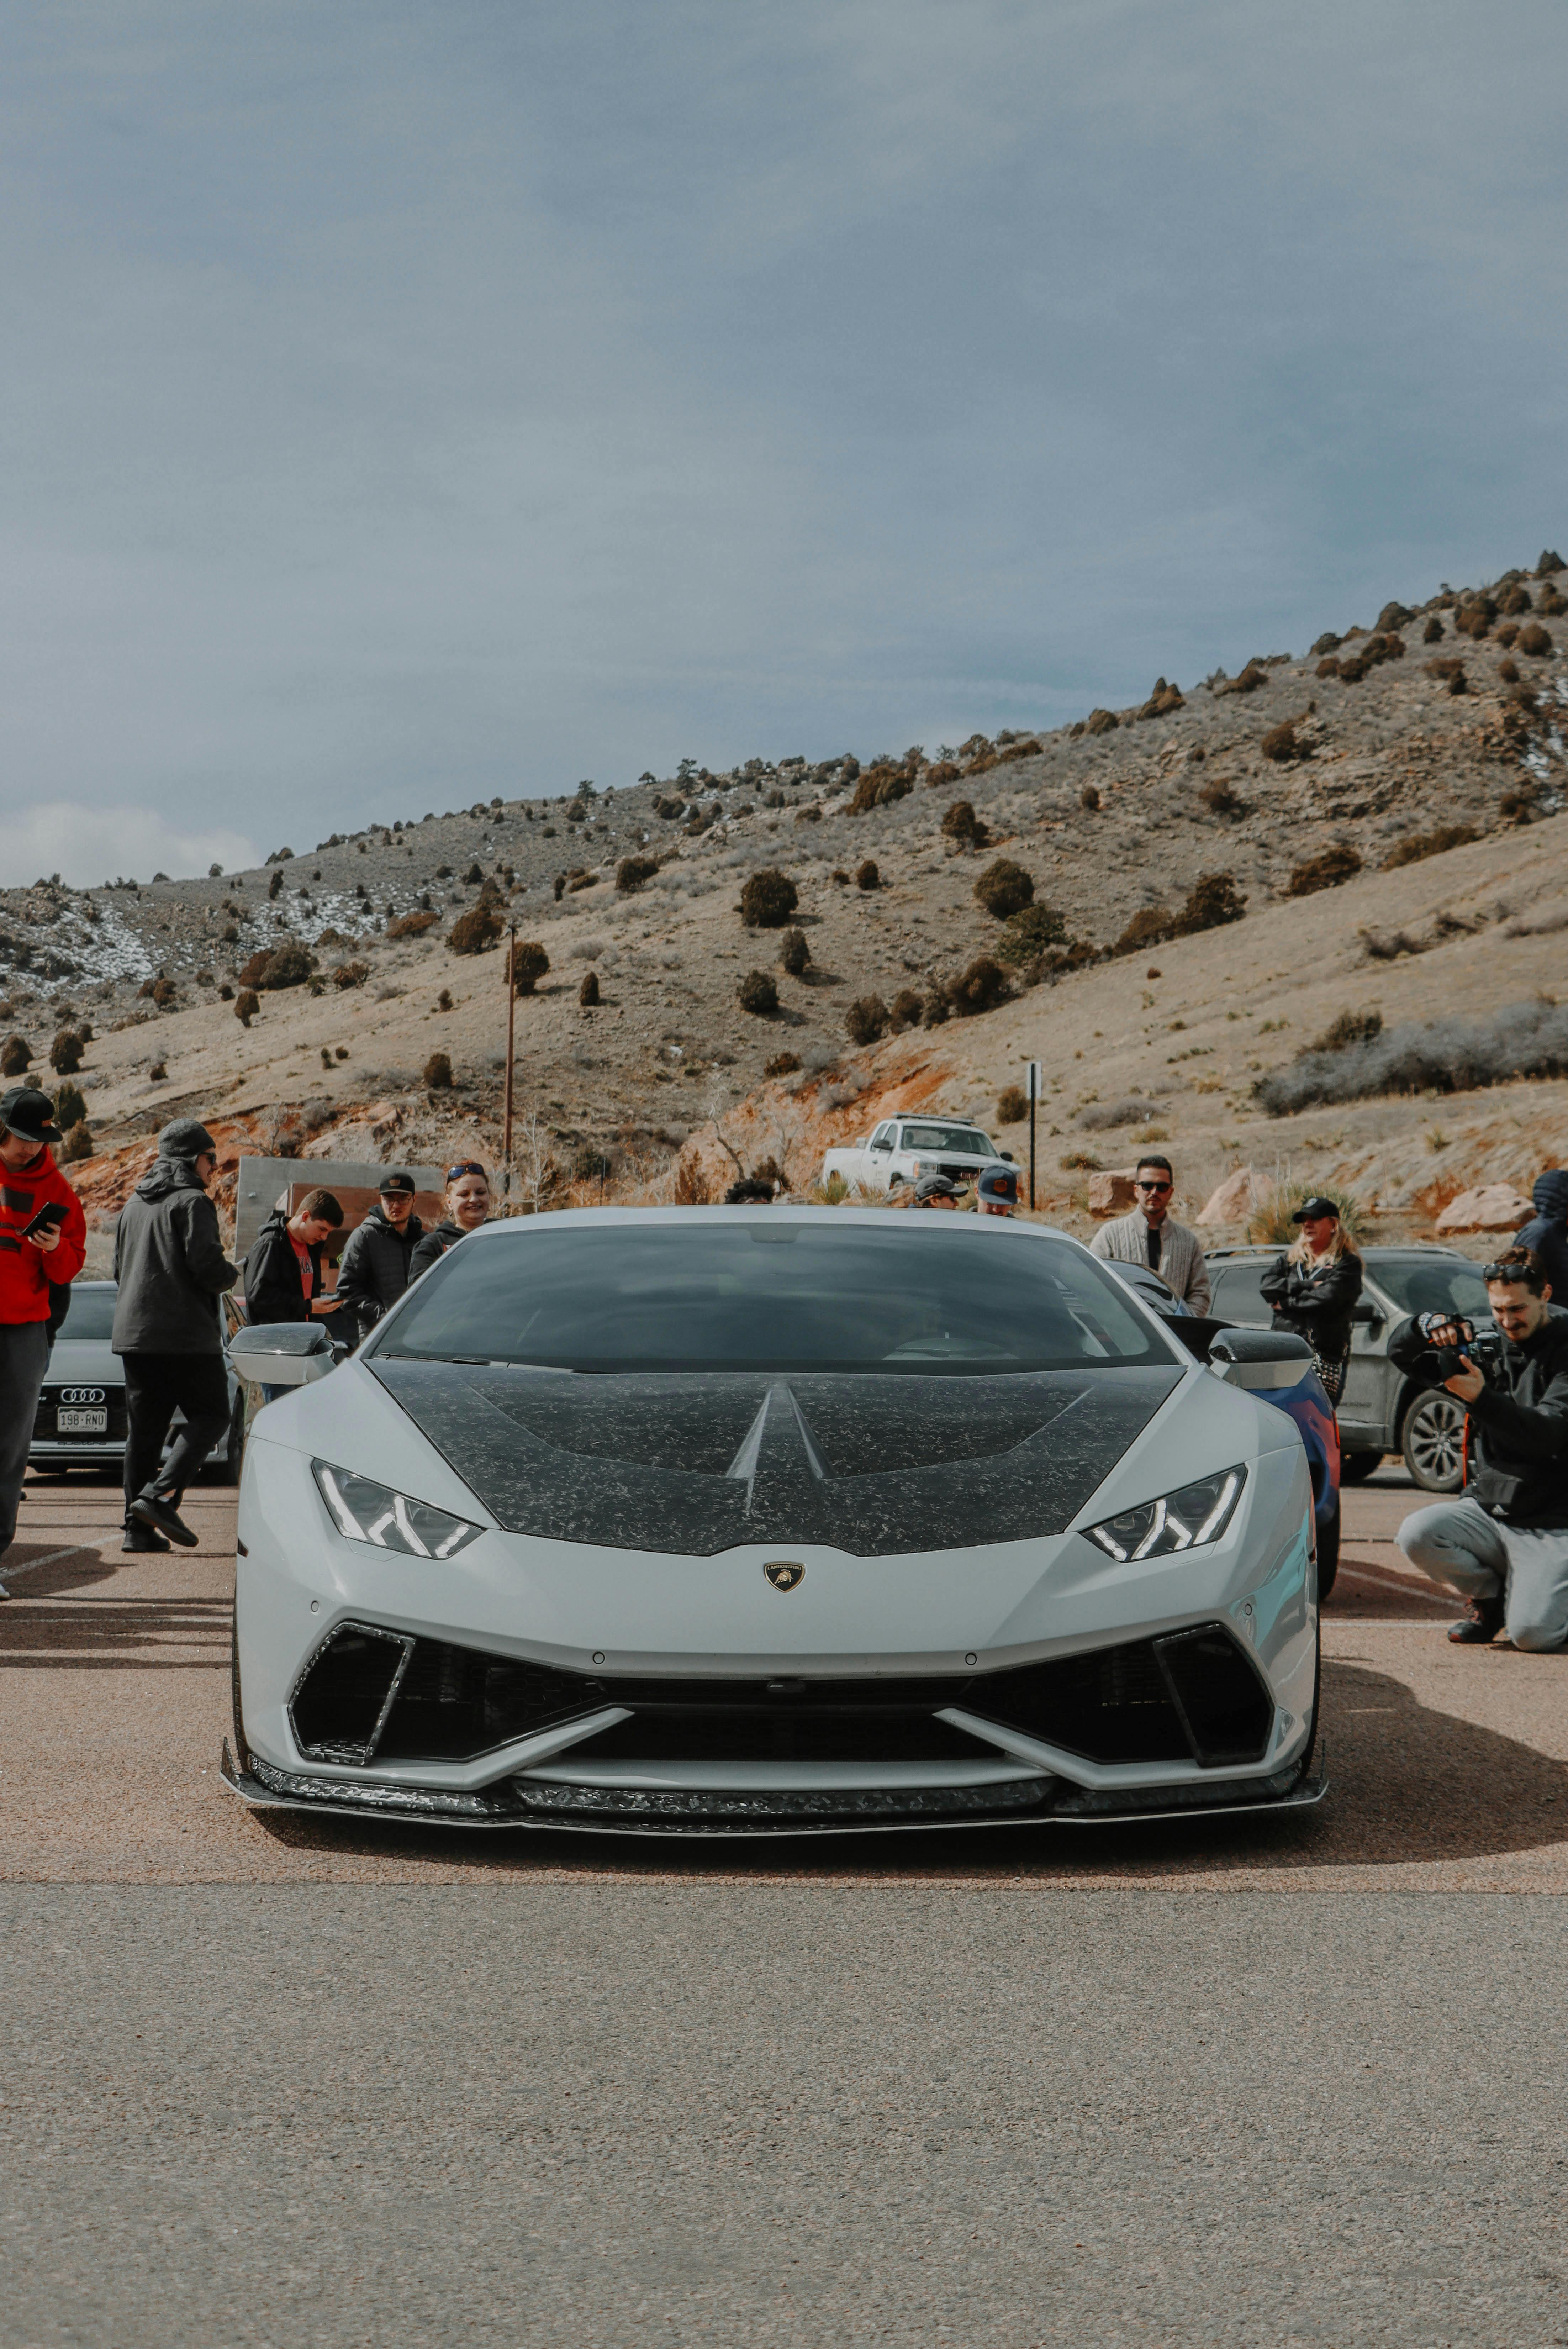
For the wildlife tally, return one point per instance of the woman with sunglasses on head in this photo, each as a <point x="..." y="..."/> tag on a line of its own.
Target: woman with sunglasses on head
<point x="1151" y="1235"/>
<point x="467" y="1206"/>
<point x="1313" y="1288"/>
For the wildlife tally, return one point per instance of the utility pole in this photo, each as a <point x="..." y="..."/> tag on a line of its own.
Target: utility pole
<point x="510" y="958"/>
<point x="1036" y="1074"/>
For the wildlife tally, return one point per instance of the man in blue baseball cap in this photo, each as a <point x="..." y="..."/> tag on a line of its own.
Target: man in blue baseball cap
<point x="998" y="1191"/>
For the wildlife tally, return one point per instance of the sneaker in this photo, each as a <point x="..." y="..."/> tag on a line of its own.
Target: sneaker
<point x="164" y="1519"/>
<point x="139" y="1536"/>
<point x="1480" y="1626"/>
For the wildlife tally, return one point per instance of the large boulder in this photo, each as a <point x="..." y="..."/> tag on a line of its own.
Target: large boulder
<point x="1237" y="1199"/>
<point x="1112" y="1192"/>
<point x="1492" y="1207"/>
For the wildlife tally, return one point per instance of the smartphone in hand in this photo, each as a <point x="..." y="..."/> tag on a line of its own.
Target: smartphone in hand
<point x="49" y="1218"/>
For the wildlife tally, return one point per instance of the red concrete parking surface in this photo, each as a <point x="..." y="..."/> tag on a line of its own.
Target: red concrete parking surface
<point x="1449" y="1767"/>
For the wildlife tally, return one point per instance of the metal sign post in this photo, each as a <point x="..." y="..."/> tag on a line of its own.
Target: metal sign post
<point x="509" y="959"/>
<point x="1036" y="1087"/>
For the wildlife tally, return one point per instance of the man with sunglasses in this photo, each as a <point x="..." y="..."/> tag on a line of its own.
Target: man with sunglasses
<point x="1503" y="1543"/>
<point x="1151" y="1235"/>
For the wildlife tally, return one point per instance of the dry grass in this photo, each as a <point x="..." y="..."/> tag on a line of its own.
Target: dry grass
<point x="1422" y="844"/>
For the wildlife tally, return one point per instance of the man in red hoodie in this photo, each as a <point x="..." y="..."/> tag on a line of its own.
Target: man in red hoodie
<point x="29" y="1261"/>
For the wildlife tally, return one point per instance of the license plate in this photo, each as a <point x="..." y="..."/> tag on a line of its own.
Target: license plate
<point x="81" y="1422"/>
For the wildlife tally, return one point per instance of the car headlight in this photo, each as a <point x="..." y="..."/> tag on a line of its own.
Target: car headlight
<point x="367" y="1512"/>
<point x="1198" y="1513"/>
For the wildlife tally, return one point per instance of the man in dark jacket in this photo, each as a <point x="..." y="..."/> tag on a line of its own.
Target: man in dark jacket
<point x="1504" y="1543"/>
<point x="1547" y="1237"/>
<point x="170" y="1264"/>
<point x="284" y="1269"/>
<point x="375" y="1268"/>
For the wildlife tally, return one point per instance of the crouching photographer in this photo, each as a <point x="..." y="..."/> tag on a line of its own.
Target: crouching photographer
<point x="1503" y="1543"/>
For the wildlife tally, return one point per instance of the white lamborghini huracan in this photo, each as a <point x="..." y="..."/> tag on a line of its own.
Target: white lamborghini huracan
<point x="772" y="1519"/>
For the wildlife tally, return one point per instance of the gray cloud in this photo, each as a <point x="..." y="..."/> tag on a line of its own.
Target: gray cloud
<point x="406" y="405"/>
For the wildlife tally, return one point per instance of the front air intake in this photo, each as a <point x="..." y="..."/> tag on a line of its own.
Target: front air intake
<point x="340" y="1705"/>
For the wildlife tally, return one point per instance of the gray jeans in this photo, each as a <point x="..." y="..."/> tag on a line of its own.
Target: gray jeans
<point x="1458" y="1544"/>
<point x="23" y="1358"/>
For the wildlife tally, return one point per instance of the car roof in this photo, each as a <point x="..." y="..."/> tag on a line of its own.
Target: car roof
<point x="1381" y="1252"/>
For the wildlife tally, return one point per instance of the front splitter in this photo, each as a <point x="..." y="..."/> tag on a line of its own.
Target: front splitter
<point x="263" y="1787"/>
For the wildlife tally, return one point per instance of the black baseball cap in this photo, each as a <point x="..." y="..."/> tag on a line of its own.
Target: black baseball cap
<point x="1310" y="1209"/>
<point x="30" y="1113"/>
<point x="937" y="1187"/>
<point x="396" y="1183"/>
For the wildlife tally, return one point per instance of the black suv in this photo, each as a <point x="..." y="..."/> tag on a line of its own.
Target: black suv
<point x="1380" y="1410"/>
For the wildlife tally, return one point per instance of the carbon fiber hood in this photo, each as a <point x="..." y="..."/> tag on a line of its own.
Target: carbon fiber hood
<point x="696" y="1464"/>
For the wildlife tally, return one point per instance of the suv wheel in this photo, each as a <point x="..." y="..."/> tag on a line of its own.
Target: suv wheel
<point x="1433" y="1442"/>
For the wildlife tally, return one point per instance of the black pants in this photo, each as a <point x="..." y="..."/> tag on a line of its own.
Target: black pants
<point x="155" y="1384"/>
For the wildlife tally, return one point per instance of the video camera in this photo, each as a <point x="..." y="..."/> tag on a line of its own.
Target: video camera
<point x="1483" y="1348"/>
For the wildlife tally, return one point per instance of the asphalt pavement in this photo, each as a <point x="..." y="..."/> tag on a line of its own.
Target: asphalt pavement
<point x="1295" y="2081"/>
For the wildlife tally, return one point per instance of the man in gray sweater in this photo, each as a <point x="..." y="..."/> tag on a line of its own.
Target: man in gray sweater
<point x="170" y="1264"/>
<point x="1151" y="1235"/>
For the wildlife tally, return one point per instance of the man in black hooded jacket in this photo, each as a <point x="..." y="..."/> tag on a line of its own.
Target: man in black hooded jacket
<point x="170" y="1268"/>
<point x="1547" y="1237"/>
<point x="1503" y="1542"/>
<point x="375" y="1268"/>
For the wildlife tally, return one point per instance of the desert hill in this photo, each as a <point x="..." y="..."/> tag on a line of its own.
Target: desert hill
<point x="1214" y="875"/>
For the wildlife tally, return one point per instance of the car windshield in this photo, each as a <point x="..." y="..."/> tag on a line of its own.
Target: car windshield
<point x="90" y="1313"/>
<point x="966" y="1138"/>
<point x="1433" y="1284"/>
<point x="819" y="1295"/>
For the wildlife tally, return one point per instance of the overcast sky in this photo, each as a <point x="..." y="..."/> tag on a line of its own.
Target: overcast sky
<point x="406" y="403"/>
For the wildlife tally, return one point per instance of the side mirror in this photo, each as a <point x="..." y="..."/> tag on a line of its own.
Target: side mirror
<point x="282" y="1353"/>
<point x="1009" y="1157"/>
<point x="1260" y="1360"/>
<point x="1366" y="1312"/>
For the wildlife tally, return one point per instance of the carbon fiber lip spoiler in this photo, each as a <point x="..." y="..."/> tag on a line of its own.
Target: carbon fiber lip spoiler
<point x="412" y="1806"/>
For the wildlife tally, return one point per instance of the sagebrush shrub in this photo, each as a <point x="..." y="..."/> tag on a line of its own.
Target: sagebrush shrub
<point x="1515" y="599"/>
<point x="782" y="1064"/>
<point x="247" y="1003"/>
<point x="1221" y="798"/>
<point x="1534" y="640"/>
<point x="1162" y="699"/>
<point x="1432" y="633"/>
<point x="1098" y="721"/>
<point x="1422" y="844"/>
<point x="1028" y="933"/>
<point x="867" y="876"/>
<point x="979" y="988"/>
<point x="71" y="1106"/>
<point x="1327" y="870"/>
<point x="1393" y="617"/>
<point x="529" y="964"/>
<point x="78" y="1144"/>
<point x="1005" y="888"/>
<point x="1212" y="902"/>
<point x="1327" y="667"/>
<point x="1326" y="642"/>
<point x="633" y="871"/>
<point x="794" y="953"/>
<point x="769" y="900"/>
<point x="1350" y="1027"/>
<point x="1527" y="1039"/>
<point x="411" y="926"/>
<point x="879" y="787"/>
<point x="1149" y="927"/>
<point x="904" y="1010"/>
<point x="1551" y="600"/>
<point x="66" y="1054"/>
<point x="1282" y="743"/>
<point x="474" y="931"/>
<point x="1089" y="799"/>
<point x="351" y="974"/>
<point x="588" y="993"/>
<point x="1012" y="1106"/>
<point x="757" y="993"/>
<point x="438" y="1072"/>
<point x="960" y="822"/>
<point x="866" y="1020"/>
<point x="944" y="772"/>
<point x="936" y="1011"/>
<point x="1508" y="670"/>
<point x="1506" y="635"/>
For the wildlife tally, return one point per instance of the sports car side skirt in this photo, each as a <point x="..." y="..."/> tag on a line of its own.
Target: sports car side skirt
<point x="1039" y="1802"/>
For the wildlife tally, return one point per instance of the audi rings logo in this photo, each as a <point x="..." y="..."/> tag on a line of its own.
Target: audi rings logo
<point x="81" y="1394"/>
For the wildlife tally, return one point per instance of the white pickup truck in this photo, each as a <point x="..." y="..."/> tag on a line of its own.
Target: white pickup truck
<point x="902" y="1148"/>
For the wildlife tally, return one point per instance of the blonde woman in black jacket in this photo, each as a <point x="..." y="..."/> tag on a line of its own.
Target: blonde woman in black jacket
<point x="1313" y="1288"/>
